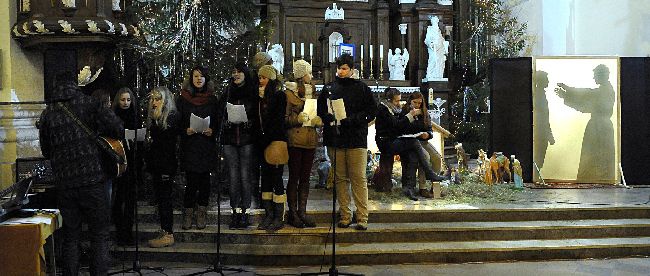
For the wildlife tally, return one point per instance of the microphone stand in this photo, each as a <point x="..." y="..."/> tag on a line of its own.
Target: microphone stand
<point x="137" y="268"/>
<point x="217" y="267"/>
<point x="333" y="271"/>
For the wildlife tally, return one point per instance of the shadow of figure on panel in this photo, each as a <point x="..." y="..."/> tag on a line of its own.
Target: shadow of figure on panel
<point x="598" y="150"/>
<point x="543" y="133"/>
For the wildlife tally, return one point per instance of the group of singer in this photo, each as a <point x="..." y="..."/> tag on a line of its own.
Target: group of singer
<point x="271" y="129"/>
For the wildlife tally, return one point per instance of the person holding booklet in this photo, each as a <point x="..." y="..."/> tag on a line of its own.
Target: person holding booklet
<point x="198" y="147"/>
<point x="420" y="127"/>
<point x="238" y="140"/>
<point x="301" y="122"/>
<point x="125" y="107"/>
<point x="346" y="106"/>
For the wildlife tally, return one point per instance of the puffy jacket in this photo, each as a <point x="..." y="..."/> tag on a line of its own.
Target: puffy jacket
<point x="299" y="136"/>
<point x="360" y="108"/>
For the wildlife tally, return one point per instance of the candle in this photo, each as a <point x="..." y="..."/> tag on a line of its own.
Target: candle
<point x="361" y="51"/>
<point x="293" y="49"/>
<point x="371" y="51"/>
<point x="302" y="50"/>
<point x="381" y="51"/>
<point x="311" y="49"/>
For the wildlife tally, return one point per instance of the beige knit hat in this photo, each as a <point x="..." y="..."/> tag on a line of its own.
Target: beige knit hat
<point x="268" y="71"/>
<point x="301" y="68"/>
<point x="261" y="59"/>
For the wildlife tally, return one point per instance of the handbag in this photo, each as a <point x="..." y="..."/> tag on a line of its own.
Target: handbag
<point x="277" y="153"/>
<point x="113" y="155"/>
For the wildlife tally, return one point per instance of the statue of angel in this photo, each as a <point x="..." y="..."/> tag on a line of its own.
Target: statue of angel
<point x="277" y="55"/>
<point x="397" y="63"/>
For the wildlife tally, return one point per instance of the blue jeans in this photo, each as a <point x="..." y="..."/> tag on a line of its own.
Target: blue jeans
<point x="90" y="204"/>
<point x="239" y="160"/>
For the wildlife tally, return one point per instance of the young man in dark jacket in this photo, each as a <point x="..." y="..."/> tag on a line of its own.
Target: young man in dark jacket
<point x="80" y="180"/>
<point x="347" y="140"/>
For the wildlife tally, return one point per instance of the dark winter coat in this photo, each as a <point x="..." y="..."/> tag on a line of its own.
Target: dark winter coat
<point x="74" y="156"/>
<point x="360" y="108"/>
<point x="242" y="133"/>
<point x="161" y="156"/>
<point x="270" y="123"/>
<point x="198" y="151"/>
<point x="388" y="125"/>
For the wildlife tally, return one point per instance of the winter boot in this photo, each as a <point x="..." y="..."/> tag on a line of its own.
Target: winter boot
<point x="278" y="212"/>
<point x="294" y="219"/>
<point x="267" y="203"/>
<point x="201" y="217"/>
<point x="234" y="219"/>
<point x="425" y="193"/>
<point x="187" y="218"/>
<point x="244" y="220"/>
<point x="163" y="239"/>
<point x="303" y="194"/>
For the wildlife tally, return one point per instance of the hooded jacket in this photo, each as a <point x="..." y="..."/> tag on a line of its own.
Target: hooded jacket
<point x="74" y="156"/>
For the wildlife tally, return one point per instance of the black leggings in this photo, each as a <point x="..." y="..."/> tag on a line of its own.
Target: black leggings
<point x="197" y="182"/>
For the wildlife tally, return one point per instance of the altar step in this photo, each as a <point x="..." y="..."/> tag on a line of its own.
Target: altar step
<point x="438" y="236"/>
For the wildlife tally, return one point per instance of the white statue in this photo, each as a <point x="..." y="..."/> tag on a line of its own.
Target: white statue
<point x="277" y="55"/>
<point x="69" y="3"/>
<point x="397" y="63"/>
<point x="438" y="50"/>
<point x="116" y="5"/>
<point x="85" y="76"/>
<point x="334" y="13"/>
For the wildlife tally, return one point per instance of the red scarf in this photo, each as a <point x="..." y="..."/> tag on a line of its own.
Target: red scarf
<point x="197" y="98"/>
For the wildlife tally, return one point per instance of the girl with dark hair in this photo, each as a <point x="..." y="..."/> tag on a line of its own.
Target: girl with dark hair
<point x="238" y="140"/>
<point x="271" y="127"/>
<point x="198" y="149"/>
<point x="422" y="123"/>
<point x="125" y="108"/>
<point x="161" y="159"/>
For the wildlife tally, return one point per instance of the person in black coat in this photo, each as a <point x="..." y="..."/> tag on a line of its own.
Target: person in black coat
<point x="162" y="120"/>
<point x="198" y="150"/>
<point x="238" y="139"/>
<point x="346" y="140"/>
<point x="125" y="107"/>
<point x="270" y="124"/>
<point x="388" y="125"/>
<point x="76" y="162"/>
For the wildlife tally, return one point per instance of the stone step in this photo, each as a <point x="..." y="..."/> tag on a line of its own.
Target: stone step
<point x="415" y="232"/>
<point x="297" y="254"/>
<point x="148" y="214"/>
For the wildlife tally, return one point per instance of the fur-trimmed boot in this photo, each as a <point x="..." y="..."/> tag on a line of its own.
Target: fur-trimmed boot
<point x="267" y="203"/>
<point x="201" y="217"/>
<point x="278" y="212"/>
<point x="187" y="218"/>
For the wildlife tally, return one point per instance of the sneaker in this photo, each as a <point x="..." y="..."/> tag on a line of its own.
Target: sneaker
<point x="343" y="224"/>
<point x="164" y="239"/>
<point x="361" y="227"/>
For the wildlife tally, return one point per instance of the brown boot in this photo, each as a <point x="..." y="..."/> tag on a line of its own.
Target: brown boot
<point x="163" y="239"/>
<point x="187" y="218"/>
<point x="201" y="217"/>
<point x="303" y="194"/>
<point x="425" y="193"/>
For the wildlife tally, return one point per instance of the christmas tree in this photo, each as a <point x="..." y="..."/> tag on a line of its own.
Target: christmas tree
<point x="488" y="30"/>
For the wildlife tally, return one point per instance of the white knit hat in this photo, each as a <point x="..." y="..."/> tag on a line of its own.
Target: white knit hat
<point x="301" y="68"/>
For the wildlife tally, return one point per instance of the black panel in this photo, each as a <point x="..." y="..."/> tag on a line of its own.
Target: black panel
<point x="635" y="96"/>
<point x="511" y="118"/>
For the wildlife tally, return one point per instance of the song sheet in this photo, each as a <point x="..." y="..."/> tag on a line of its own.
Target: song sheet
<point x="236" y="113"/>
<point x="199" y="124"/>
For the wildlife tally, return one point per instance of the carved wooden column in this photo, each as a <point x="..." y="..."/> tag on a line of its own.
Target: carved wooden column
<point x="383" y="36"/>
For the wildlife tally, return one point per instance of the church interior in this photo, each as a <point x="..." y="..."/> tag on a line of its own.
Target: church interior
<point x="534" y="110"/>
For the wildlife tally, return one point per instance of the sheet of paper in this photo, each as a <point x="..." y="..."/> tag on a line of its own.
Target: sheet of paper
<point x="236" y="113"/>
<point x="310" y="109"/>
<point x="337" y="108"/>
<point x="411" y="135"/>
<point x="129" y="134"/>
<point x="132" y="134"/>
<point x="199" y="124"/>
